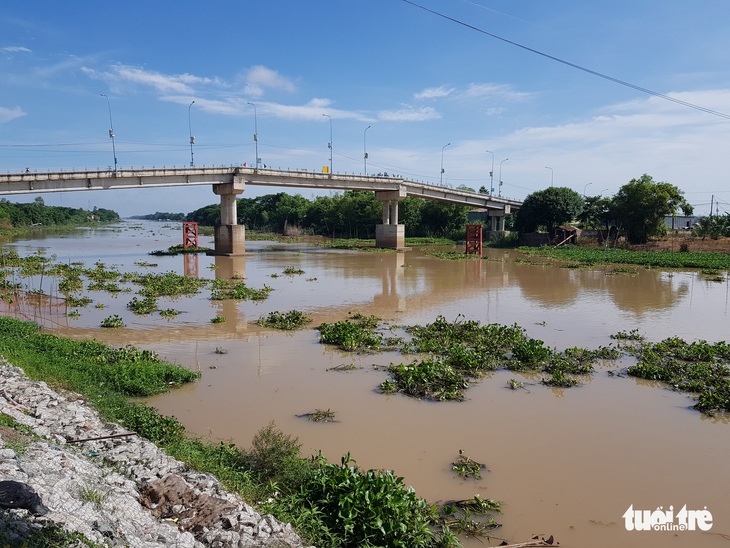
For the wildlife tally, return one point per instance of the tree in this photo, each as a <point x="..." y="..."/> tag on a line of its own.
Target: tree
<point x="639" y="207"/>
<point x="595" y="212"/>
<point x="548" y="209"/>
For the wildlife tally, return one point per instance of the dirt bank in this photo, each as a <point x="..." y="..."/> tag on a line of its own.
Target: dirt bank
<point x="677" y="242"/>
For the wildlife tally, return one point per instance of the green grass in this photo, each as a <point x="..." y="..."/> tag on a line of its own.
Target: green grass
<point x="653" y="259"/>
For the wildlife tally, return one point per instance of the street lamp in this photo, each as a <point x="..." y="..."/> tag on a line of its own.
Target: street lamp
<point x="329" y="145"/>
<point x="584" y="189"/>
<point x="190" y="131"/>
<point x="111" y="130"/>
<point x="441" y="180"/>
<point x="255" y="132"/>
<point x="365" y="150"/>
<point x="551" y="174"/>
<point x="491" y="174"/>
<point x="500" y="175"/>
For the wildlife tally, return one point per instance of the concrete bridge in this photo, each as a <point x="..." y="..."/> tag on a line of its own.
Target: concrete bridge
<point x="228" y="182"/>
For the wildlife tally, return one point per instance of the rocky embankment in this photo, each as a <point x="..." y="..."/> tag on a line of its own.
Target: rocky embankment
<point x="119" y="491"/>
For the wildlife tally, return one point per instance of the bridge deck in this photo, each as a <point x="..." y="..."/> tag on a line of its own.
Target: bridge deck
<point x="68" y="181"/>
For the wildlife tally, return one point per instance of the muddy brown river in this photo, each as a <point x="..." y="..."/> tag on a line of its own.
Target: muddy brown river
<point x="566" y="462"/>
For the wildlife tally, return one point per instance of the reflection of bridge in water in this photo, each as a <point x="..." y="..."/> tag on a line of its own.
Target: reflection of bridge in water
<point x="230" y="182"/>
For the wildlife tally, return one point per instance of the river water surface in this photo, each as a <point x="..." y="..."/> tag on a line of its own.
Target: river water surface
<point x="566" y="462"/>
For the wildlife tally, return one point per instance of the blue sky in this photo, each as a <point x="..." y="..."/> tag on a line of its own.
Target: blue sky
<point x="418" y="80"/>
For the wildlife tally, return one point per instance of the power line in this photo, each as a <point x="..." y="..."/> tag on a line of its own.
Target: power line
<point x="574" y="65"/>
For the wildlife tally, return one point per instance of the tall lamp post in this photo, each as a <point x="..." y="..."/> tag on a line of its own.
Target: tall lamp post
<point x="255" y="132"/>
<point x="111" y="130"/>
<point x="365" y="150"/>
<point x="190" y="131"/>
<point x="584" y="189"/>
<point x="500" y="175"/>
<point x="329" y="145"/>
<point x="551" y="174"/>
<point x="441" y="180"/>
<point x="491" y="174"/>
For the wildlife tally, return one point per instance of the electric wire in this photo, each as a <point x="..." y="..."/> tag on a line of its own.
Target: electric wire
<point x="573" y="65"/>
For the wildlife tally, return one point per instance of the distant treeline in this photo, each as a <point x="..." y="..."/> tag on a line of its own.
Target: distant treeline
<point x="36" y="213"/>
<point x="352" y="214"/>
<point x="160" y="216"/>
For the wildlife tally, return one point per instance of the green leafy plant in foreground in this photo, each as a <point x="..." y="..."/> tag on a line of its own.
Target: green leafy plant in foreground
<point x="364" y="508"/>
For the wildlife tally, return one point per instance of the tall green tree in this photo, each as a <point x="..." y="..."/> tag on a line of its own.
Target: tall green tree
<point x="595" y="212"/>
<point x="547" y="209"/>
<point x="639" y="207"/>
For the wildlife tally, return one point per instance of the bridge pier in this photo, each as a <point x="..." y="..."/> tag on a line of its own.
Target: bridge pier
<point x="390" y="234"/>
<point x="230" y="237"/>
<point x="498" y="221"/>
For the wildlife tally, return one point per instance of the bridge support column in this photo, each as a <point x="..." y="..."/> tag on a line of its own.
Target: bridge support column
<point x="498" y="222"/>
<point x="390" y="234"/>
<point x="229" y="237"/>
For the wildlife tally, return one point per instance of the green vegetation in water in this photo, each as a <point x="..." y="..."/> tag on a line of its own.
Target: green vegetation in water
<point x="169" y="313"/>
<point x="454" y="255"/>
<point x="461" y="351"/>
<point x="466" y="467"/>
<point x="653" y="259"/>
<point x="168" y="284"/>
<point x="356" y="333"/>
<point x="180" y="249"/>
<point x="456" y="515"/>
<point x="291" y="271"/>
<point x="632" y="335"/>
<point x="294" y="319"/>
<point x="699" y="367"/>
<point x="218" y="319"/>
<point x="514" y="384"/>
<point x="144" y="306"/>
<point x="319" y="415"/>
<point x="112" y="321"/>
<point x="232" y="289"/>
<point x="77" y="302"/>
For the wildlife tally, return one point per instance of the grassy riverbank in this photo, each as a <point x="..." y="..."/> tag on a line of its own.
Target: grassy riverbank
<point x="330" y="504"/>
<point x="581" y="256"/>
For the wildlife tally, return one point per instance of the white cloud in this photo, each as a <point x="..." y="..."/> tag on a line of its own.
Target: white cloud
<point x="671" y="142"/>
<point x="15" y="49"/>
<point x="260" y="78"/>
<point x="163" y="83"/>
<point x="434" y="93"/>
<point x="474" y="91"/>
<point x="7" y="114"/>
<point x="409" y="113"/>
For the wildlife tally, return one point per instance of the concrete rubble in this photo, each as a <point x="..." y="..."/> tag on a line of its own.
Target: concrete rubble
<point x="123" y="491"/>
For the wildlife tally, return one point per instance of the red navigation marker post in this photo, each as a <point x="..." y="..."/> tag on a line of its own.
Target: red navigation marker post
<point x="190" y="234"/>
<point x="474" y="239"/>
